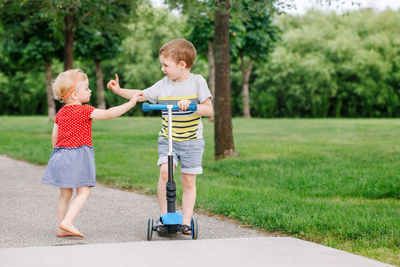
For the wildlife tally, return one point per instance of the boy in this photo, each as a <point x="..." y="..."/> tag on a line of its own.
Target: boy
<point x="181" y="87"/>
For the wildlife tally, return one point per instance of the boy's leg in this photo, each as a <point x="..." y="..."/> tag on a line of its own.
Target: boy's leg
<point x="82" y="194"/>
<point x="191" y="154"/>
<point x="188" y="197"/>
<point x="162" y="181"/>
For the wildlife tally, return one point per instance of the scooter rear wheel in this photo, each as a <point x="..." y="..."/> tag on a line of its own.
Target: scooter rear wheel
<point x="195" y="228"/>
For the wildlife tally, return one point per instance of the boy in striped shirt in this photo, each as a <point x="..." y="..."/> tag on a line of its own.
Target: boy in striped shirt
<point x="181" y="87"/>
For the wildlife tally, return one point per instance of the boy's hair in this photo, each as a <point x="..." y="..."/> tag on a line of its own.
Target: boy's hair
<point x="65" y="81"/>
<point x="179" y="50"/>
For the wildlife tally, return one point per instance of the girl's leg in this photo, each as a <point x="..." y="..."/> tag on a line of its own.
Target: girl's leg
<point x="82" y="194"/>
<point x="162" y="181"/>
<point x="188" y="197"/>
<point x="62" y="207"/>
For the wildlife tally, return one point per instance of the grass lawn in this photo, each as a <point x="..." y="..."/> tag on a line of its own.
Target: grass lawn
<point x="332" y="181"/>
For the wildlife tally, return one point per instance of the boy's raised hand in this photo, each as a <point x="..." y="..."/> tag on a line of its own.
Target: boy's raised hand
<point x="114" y="84"/>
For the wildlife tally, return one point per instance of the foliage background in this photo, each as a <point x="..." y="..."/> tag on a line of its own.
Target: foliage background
<point x="325" y="65"/>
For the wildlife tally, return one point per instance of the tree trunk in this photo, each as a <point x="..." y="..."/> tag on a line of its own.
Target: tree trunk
<point x="223" y="136"/>
<point x="245" y="85"/>
<point x="211" y="67"/>
<point x="51" y="106"/>
<point x="68" y="42"/>
<point x="100" y="87"/>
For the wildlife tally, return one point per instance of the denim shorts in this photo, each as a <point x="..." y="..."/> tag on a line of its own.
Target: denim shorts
<point x="188" y="153"/>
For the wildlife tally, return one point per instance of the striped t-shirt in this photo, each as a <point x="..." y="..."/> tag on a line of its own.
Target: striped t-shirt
<point x="186" y="125"/>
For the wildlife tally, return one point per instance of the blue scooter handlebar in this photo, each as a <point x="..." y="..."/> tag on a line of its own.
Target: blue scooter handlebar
<point x="146" y="107"/>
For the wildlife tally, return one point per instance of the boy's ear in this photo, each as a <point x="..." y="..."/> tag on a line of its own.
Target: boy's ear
<point x="182" y="64"/>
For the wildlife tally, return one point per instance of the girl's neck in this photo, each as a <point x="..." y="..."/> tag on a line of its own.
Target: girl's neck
<point x="73" y="103"/>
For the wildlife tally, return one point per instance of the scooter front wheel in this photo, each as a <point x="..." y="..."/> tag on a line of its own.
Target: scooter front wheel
<point x="150" y="224"/>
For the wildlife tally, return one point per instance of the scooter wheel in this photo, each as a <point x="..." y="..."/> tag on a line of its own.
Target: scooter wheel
<point x="195" y="228"/>
<point x="150" y="224"/>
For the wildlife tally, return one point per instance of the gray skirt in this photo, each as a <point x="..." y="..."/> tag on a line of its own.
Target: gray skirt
<point x="71" y="167"/>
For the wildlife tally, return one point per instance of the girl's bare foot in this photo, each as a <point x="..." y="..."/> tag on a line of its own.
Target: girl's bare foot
<point x="62" y="233"/>
<point x="71" y="230"/>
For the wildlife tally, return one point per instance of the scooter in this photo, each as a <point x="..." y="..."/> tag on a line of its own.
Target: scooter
<point x="172" y="220"/>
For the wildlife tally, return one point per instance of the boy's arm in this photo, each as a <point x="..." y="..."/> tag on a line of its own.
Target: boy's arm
<point x="101" y="114"/>
<point x="125" y="93"/>
<point x="203" y="109"/>
<point x="54" y="135"/>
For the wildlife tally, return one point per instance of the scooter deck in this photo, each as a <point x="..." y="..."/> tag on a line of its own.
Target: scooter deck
<point x="170" y="229"/>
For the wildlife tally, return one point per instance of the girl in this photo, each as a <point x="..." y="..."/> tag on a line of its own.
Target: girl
<point x="71" y="164"/>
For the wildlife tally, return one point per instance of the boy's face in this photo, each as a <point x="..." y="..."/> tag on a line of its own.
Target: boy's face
<point x="172" y="70"/>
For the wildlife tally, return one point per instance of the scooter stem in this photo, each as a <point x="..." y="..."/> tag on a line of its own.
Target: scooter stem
<point x="171" y="186"/>
<point x="169" y="129"/>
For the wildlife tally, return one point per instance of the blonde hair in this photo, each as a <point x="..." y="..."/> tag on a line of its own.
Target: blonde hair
<point x="179" y="50"/>
<point x="65" y="81"/>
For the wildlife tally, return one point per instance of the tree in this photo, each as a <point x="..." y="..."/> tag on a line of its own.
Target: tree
<point x="137" y="62"/>
<point x="220" y="10"/>
<point x="224" y="146"/>
<point x="67" y="11"/>
<point x="254" y="38"/>
<point x="329" y="65"/>
<point x="101" y="36"/>
<point x="75" y="13"/>
<point x="97" y="46"/>
<point x="32" y="38"/>
<point x="102" y="23"/>
<point x="223" y="137"/>
<point x="201" y="33"/>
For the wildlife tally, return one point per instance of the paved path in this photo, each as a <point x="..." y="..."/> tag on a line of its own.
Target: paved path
<point x="115" y="222"/>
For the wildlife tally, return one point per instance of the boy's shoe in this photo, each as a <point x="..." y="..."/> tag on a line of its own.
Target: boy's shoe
<point x="186" y="229"/>
<point x="160" y="227"/>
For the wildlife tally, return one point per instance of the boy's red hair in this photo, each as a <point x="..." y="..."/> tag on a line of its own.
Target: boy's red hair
<point x="179" y="50"/>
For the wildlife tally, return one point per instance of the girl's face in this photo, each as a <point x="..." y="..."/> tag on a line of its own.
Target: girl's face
<point x="171" y="69"/>
<point x="83" y="92"/>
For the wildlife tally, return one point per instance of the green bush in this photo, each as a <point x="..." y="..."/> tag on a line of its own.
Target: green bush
<point x="330" y="65"/>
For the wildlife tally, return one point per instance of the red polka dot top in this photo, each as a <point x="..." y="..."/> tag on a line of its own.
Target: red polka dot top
<point x="74" y="126"/>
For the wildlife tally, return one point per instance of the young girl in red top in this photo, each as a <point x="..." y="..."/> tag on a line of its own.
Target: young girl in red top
<point x="71" y="164"/>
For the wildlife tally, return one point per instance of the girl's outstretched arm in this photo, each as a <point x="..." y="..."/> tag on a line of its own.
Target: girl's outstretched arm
<point x="105" y="114"/>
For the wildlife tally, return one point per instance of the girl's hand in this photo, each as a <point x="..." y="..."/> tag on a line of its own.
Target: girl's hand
<point x="141" y="97"/>
<point x="114" y="84"/>
<point x="135" y="98"/>
<point x="184" y="104"/>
